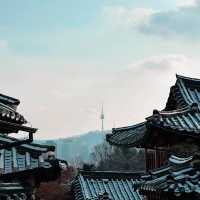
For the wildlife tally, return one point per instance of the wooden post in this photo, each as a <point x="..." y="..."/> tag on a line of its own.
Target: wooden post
<point x="146" y="159"/>
<point x="156" y="158"/>
<point x="28" y="160"/>
<point x="2" y="161"/>
<point x="14" y="155"/>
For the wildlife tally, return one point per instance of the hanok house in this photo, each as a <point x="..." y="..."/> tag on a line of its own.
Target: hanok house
<point x="179" y="179"/>
<point x="23" y="164"/>
<point x="176" y="129"/>
<point x="100" y="185"/>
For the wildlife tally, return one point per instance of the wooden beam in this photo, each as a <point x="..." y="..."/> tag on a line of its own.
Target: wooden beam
<point x="16" y="127"/>
<point x="18" y="142"/>
<point x="41" y="160"/>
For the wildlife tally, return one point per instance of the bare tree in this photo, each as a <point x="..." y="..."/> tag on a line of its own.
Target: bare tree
<point x="107" y="157"/>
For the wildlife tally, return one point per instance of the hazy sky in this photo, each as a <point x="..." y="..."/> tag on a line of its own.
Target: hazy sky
<point x="64" y="58"/>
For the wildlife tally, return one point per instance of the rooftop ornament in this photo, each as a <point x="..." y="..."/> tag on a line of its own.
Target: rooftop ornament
<point x="103" y="196"/>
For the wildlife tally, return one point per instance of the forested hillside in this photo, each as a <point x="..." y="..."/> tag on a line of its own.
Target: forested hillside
<point x="78" y="148"/>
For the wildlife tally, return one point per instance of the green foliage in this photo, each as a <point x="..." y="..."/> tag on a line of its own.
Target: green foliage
<point x="107" y="157"/>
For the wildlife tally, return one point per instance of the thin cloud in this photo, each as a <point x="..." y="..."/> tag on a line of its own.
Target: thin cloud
<point x="163" y="63"/>
<point x="183" y="21"/>
<point x="186" y="3"/>
<point x="127" y="17"/>
<point x="3" y="44"/>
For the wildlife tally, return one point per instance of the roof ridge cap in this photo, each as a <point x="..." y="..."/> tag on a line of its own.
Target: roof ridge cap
<point x="170" y="112"/>
<point x="128" y="127"/>
<point x="82" y="172"/>
<point x="174" y="112"/>
<point x="187" y="78"/>
<point x="192" y="107"/>
<point x="9" y="99"/>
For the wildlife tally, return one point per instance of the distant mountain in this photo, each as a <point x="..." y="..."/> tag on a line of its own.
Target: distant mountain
<point x="77" y="148"/>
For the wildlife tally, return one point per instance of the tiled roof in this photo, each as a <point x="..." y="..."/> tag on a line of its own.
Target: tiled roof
<point x="14" y="190"/>
<point x="181" y="176"/>
<point x="11" y="120"/>
<point x="189" y="88"/>
<point x="9" y="100"/>
<point x="129" y="136"/>
<point x="9" y="114"/>
<point x="185" y="121"/>
<point x="117" y="185"/>
<point x="19" y="158"/>
<point x="185" y="92"/>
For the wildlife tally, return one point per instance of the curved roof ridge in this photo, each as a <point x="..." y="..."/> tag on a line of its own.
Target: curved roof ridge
<point x="9" y="99"/>
<point x="174" y="112"/>
<point x="170" y="112"/>
<point x="187" y="78"/>
<point x="184" y="92"/>
<point x="110" y="172"/>
<point x="127" y="135"/>
<point x="180" y="160"/>
<point x="129" y="127"/>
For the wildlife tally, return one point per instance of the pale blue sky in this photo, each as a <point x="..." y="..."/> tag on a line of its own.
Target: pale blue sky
<point x="64" y="58"/>
<point x="55" y="27"/>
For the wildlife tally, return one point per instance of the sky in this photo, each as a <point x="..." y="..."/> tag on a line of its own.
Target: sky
<point x="63" y="59"/>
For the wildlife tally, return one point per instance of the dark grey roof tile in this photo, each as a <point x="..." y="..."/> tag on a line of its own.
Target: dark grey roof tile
<point x="180" y="176"/>
<point x="130" y="135"/>
<point x="88" y="185"/>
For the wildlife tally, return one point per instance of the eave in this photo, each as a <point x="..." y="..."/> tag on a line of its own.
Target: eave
<point x="127" y="136"/>
<point x="31" y="147"/>
<point x="184" y="122"/>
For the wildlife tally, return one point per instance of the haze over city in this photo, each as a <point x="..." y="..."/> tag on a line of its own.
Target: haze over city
<point x="64" y="60"/>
